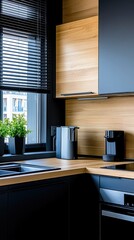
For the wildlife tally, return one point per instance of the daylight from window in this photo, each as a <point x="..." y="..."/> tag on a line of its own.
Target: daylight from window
<point x="15" y="62"/>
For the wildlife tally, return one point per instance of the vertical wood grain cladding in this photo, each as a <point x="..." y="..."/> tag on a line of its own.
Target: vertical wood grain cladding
<point x="95" y="116"/>
<point x="78" y="9"/>
<point x="77" y="56"/>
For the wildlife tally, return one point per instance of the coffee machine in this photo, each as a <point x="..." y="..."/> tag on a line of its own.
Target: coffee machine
<point x="66" y="142"/>
<point x="114" y="145"/>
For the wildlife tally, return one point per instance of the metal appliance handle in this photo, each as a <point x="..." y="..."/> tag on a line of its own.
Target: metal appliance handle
<point x="118" y="215"/>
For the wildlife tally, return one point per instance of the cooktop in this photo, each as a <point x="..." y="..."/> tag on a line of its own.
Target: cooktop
<point x="124" y="166"/>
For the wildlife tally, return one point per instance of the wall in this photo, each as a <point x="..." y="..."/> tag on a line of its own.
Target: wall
<point x="93" y="117"/>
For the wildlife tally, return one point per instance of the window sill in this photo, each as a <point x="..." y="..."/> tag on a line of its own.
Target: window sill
<point x="27" y="156"/>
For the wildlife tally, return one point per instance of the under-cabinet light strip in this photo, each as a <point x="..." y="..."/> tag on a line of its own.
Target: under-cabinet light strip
<point x="96" y="98"/>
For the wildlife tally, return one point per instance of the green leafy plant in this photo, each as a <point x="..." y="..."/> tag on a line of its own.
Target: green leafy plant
<point x="4" y="127"/>
<point x="18" y="126"/>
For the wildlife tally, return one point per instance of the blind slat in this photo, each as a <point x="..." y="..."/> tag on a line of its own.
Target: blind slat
<point x="23" y="46"/>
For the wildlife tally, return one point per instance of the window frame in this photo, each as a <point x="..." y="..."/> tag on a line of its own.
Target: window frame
<point x="36" y="147"/>
<point x="54" y="114"/>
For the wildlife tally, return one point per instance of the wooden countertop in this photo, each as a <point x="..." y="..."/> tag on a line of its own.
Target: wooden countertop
<point x="68" y="167"/>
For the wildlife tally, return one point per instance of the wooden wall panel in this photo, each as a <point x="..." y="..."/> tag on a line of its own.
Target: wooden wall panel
<point x="76" y="9"/>
<point x="93" y="117"/>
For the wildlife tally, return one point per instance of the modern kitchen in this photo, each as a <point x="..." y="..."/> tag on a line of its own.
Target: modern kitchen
<point x="81" y="184"/>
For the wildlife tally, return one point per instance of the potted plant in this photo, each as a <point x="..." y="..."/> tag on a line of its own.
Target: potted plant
<point x="4" y="130"/>
<point x="17" y="133"/>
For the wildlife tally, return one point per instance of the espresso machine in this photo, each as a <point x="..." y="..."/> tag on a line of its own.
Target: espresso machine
<point x="66" y="142"/>
<point x="114" y="145"/>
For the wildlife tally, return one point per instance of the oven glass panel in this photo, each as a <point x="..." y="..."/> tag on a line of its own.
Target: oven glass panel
<point x="118" y="226"/>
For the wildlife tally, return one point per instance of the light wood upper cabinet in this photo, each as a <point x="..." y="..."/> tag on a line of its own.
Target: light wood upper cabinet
<point x="77" y="58"/>
<point x="75" y="10"/>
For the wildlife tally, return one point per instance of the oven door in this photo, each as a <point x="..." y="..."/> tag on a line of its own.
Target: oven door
<point x="117" y="222"/>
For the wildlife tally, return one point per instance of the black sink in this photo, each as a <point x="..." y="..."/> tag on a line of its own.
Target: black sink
<point x="8" y="169"/>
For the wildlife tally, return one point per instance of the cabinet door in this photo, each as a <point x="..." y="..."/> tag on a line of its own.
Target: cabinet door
<point x="77" y="58"/>
<point x="3" y="213"/>
<point x="84" y="207"/>
<point x="38" y="211"/>
<point x="116" y="46"/>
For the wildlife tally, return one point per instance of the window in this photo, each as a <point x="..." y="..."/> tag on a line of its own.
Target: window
<point x="24" y="55"/>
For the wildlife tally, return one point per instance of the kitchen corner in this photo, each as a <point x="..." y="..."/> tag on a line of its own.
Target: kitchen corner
<point x="67" y="168"/>
<point x="58" y="197"/>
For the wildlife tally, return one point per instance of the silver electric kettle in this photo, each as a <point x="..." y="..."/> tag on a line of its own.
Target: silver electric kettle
<point x="66" y="142"/>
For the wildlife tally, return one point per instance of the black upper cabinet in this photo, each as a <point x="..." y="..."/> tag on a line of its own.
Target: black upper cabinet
<point x="116" y="46"/>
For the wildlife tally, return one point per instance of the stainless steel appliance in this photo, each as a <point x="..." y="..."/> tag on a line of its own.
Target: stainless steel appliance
<point x="114" y="145"/>
<point x="66" y="142"/>
<point x="11" y="169"/>
<point x="117" y="214"/>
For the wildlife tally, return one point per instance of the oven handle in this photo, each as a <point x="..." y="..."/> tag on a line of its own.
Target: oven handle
<point x="117" y="215"/>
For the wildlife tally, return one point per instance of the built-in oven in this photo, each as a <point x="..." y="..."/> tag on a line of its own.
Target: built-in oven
<point x="116" y="214"/>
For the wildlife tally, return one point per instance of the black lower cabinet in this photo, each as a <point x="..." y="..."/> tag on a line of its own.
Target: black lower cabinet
<point x="3" y="212"/>
<point x="84" y="207"/>
<point x="64" y="208"/>
<point x="38" y="211"/>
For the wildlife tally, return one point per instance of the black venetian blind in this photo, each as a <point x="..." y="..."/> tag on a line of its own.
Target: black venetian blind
<point x="23" y="46"/>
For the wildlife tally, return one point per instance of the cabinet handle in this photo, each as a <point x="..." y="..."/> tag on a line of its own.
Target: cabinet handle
<point x="79" y="93"/>
<point x="117" y="215"/>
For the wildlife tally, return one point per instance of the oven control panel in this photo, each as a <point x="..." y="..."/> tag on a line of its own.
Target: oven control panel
<point x="117" y="197"/>
<point x="129" y="200"/>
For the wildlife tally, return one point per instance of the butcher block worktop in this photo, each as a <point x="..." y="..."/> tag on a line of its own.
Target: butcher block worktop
<point x="68" y="167"/>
